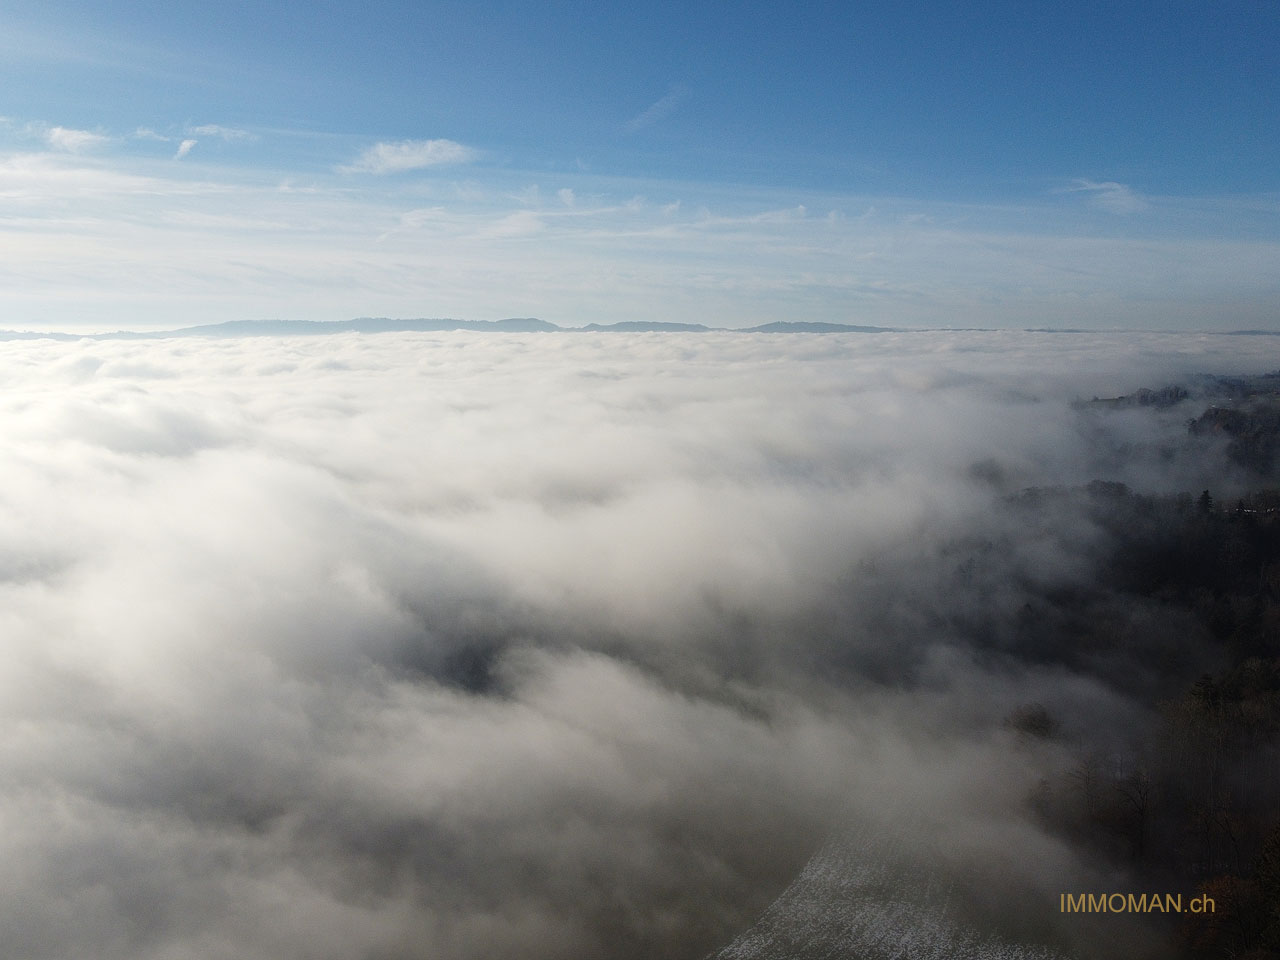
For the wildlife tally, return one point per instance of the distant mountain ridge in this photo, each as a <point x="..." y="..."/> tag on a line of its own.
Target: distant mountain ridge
<point x="302" y="328"/>
<point x="291" y="328"/>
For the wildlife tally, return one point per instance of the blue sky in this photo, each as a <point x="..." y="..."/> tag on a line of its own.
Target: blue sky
<point x="998" y="164"/>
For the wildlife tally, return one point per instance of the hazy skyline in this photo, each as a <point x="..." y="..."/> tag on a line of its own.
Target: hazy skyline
<point x="1107" y="166"/>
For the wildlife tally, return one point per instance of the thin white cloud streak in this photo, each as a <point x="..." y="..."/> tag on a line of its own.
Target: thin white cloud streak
<point x="44" y="181"/>
<point x="224" y="133"/>
<point x="1110" y="196"/>
<point x="657" y="111"/>
<point x="522" y="223"/>
<point x="405" y="155"/>
<point x="184" y="148"/>
<point x="73" y="141"/>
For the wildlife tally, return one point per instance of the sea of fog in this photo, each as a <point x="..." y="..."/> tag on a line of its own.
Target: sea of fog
<point x="462" y="646"/>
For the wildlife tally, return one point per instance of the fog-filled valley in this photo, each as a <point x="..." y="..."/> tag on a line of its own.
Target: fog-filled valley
<point x="466" y="645"/>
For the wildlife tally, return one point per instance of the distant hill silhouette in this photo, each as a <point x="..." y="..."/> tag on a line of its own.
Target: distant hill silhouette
<point x="296" y="328"/>
<point x="301" y="328"/>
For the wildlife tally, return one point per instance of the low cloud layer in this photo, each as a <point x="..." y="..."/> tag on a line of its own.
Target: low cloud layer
<point x="457" y="646"/>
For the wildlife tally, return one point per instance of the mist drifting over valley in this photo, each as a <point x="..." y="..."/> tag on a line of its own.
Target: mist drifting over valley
<point x="456" y="646"/>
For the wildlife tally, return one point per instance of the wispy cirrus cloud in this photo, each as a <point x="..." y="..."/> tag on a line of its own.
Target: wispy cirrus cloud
<point x="73" y="141"/>
<point x="522" y="223"/>
<point x="1109" y="195"/>
<point x="184" y="148"/>
<point x="403" y="155"/>
<point x="657" y="110"/>
<point x="226" y="133"/>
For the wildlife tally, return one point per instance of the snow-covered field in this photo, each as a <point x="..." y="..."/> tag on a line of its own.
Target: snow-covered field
<point x="864" y="897"/>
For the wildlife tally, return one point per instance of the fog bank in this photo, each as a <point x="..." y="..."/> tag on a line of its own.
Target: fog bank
<point x="463" y="646"/>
